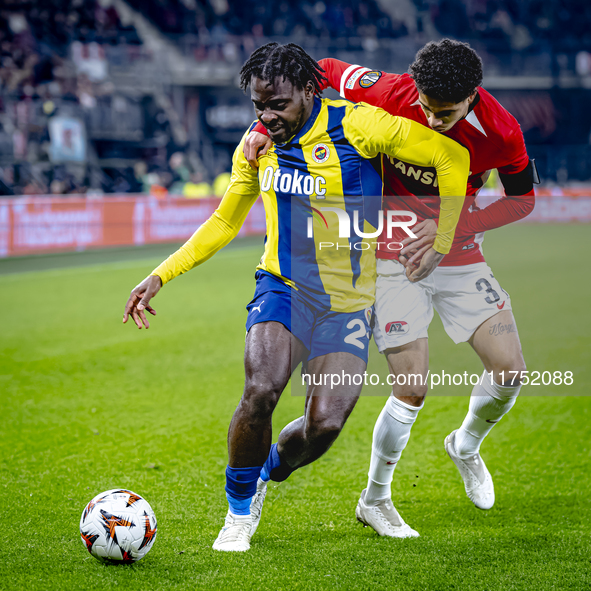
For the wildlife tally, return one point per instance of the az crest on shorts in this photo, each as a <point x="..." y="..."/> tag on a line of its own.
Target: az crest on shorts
<point x="397" y="327"/>
<point x="320" y="153"/>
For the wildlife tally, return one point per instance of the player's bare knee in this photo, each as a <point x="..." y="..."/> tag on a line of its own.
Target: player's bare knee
<point x="256" y="409"/>
<point x="412" y="394"/>
<point x="260" y="398"/>
<point x="509" y="373"/>
<point x="324" y="430"/>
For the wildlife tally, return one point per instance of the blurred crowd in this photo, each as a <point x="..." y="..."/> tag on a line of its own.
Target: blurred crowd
<point x="177" y="178"/>
<point x="53" y="63"/>
<point x="37" y="37"/>
<point x="229" y="29"/>
<point x="184" y="176"/>
<point x="215" y="19"/>
<point x="505" y="26"/>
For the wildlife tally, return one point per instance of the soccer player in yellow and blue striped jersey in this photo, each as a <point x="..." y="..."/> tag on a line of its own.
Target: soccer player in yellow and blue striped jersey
<point x="315" y="282"/>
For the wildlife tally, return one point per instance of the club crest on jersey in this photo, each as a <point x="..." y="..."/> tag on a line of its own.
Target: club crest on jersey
<point x="320" y="153"/>
<point x="397" y="327"/>
<point x="369" y="79"/>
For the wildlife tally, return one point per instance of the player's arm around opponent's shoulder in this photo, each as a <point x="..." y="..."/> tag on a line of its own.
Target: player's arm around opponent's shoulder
<point x="257" y="144"/>
<point x="221" y="228"/>
<point x="353" y="82"/>
<point x="371" y="131"/>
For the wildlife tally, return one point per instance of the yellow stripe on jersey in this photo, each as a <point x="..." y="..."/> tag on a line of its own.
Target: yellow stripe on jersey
<point x="270" y="259"/>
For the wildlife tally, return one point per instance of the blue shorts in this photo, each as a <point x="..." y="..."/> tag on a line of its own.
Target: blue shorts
<point x="320" y="330"/>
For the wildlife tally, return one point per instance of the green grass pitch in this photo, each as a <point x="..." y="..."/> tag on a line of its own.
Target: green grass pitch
<point x="89" y="404"/>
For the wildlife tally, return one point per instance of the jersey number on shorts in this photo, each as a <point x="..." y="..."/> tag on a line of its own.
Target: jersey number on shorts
<point x="353" y="338"/>
<point x="481" y="284"/>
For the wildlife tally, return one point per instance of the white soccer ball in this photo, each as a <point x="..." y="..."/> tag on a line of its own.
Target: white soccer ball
<point x="118" y="526"/>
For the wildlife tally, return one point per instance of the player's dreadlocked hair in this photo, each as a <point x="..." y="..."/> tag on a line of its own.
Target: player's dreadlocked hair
<point x="447" y="70"/>
<point x="288" y="61"/>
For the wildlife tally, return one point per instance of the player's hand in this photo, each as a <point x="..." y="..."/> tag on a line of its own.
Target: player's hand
<point x="139" y="300"/>
<point x="429" y="262"/>
<point x="415" y="248"/>
<point x="256" y="145"/>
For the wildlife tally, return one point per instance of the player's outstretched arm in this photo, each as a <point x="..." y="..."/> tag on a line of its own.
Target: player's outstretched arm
<point x="139" y="300"/>
<point x="220" y="229"/>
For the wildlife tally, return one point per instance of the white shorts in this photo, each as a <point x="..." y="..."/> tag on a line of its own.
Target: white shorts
<point x="464" y="298"/>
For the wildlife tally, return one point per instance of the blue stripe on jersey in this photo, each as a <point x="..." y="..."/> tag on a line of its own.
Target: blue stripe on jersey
<point x="311" y="120"/>
<point x="371" y="183"/>
<point x="293" y="212"/>
<point x="351" y="179"/>
<point x="283" y="222"/>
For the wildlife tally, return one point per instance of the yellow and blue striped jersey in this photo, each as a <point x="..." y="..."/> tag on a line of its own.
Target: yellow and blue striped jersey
<point x="307" y="184"/>
<point x="320" y="169"/>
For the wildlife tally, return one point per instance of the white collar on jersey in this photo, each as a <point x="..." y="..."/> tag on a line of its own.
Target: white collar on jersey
<point x="473" y="120"/>
<point x="470" y="118"/>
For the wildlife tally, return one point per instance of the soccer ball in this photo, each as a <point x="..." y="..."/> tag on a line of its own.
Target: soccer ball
<point x="118" y="526"/>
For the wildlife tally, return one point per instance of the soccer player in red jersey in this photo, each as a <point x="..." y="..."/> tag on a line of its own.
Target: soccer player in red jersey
<point x="443" y="92"/>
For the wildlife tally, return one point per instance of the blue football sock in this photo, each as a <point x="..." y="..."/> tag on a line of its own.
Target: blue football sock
<point x="275" y="468"/>
<point x="241" y="485"/>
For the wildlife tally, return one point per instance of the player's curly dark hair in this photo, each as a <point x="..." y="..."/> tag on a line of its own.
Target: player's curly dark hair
<point x="289" y="61"/>
<point x="447" y="70"/>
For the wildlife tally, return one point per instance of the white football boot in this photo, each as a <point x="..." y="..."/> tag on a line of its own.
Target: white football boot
<point x="235" y="535"/>
<point x="383" y="518"/>
<point x="256" y="505"/>
<point x="477" y="479"/>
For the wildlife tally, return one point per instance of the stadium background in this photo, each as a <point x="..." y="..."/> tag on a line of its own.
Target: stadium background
<point x="117" y="124"/>
<point x="112" y="99"/>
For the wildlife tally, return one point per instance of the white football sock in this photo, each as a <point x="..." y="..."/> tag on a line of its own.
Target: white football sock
<point x="390" y="436"/>
<point x="488" y="404"/>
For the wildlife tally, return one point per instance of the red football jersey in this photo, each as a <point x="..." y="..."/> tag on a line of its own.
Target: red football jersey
<point x="489" y="132"/>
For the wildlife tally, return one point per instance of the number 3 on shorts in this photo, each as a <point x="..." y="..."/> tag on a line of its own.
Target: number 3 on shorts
<point x="353" y="338"/>
<point x="481" y="284"/>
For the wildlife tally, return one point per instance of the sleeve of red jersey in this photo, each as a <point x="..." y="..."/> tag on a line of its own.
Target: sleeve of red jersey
<point x="519" y="197"/>
<point x="500" y="213"/>
<point x="357" y="84"/>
